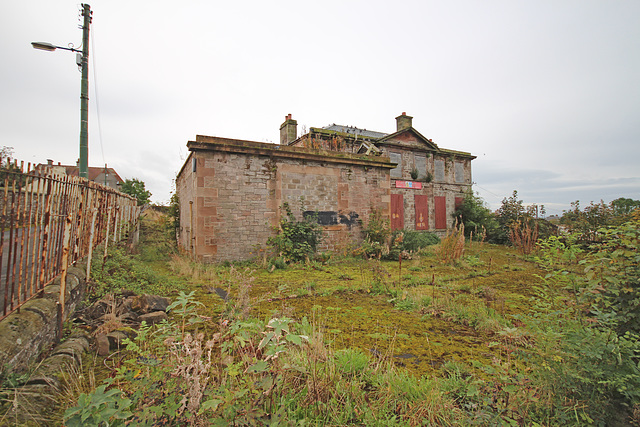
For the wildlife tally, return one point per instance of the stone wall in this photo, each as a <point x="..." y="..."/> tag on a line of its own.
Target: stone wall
<point x="26" y="333"/>
<point x="231" y="192"/>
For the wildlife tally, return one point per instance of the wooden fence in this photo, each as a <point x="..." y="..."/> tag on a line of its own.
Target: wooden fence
<point x="50" y="222"/>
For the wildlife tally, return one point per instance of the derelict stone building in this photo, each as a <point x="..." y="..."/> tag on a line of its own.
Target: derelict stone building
<point x="230" y="191"/>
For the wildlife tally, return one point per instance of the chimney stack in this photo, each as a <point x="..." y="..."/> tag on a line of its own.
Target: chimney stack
<point x="49" y="162"/>
<point x="288" y="130"/>
<point x="403" y="121"/>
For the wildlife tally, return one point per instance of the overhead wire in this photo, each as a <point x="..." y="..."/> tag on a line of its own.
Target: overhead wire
<point x="95" y="89"/>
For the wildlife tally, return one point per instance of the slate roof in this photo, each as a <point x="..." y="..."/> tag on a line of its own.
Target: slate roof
<point x="355" y="131"/>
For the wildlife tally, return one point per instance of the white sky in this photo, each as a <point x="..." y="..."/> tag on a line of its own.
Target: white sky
<point x="545" y="93"/>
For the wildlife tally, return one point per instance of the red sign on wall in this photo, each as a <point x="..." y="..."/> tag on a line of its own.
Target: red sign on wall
<point x="409" y="184"/>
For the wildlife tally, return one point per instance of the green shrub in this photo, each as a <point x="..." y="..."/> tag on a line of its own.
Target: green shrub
<point x="413" y="241"/>
<point x="614" y="276"/>
<point x="296" y="240"/>
<point x="376" y="232"/>
<point x="477" y="218"/>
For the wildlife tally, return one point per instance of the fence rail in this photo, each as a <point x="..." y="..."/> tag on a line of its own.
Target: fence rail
<point x="48" y="223"/>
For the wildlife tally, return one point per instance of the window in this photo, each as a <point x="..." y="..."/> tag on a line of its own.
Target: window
<point x="459" y="172"/>
<point x="439" y="165"/>
<point x="421" y="165"/>
<point x="397" y="171"/>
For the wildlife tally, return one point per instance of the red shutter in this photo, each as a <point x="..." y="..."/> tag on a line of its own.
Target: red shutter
<point x="458" y="202"/>
<point x="397" y="212"/>
<point x="422" y="212"/>
<point x="440" y="203"/>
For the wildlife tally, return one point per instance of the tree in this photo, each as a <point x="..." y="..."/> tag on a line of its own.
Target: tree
<point x="623" y="206"/>
<point x="514" y="217"/>
<point x="476" y="217"/>
<point x="174" y="214"/>
<point x="588" y="221"/>
<point x="9" y="169"/>
<point x="134" y="187"/>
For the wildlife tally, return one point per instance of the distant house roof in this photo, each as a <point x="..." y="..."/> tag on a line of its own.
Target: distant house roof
<point x="355" y="131"/>
<point x="70" y="170"/>
<point x="93" y="172"/>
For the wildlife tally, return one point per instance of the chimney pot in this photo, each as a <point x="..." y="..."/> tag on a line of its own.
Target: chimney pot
<point x="288" y="130"/>
<point x="403" y="121"/>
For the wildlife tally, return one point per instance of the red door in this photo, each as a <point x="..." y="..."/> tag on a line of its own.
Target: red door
<point x="422" y="212"/>
<point x="440" y="203"/>
<point x="397" y="212"/>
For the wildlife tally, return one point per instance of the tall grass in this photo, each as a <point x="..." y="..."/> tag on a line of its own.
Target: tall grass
<point x="451" y="246"/>
<point x="523" y="237"/>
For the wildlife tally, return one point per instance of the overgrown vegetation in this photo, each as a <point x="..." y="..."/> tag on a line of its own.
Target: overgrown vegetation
<point x="382" y="243"/>
<point x="452" y="245"/>
<point x="296" y="240"/>
<point x="479" y="222"/>
<point x="461" y="334"/>
<point x="587" y="222"/>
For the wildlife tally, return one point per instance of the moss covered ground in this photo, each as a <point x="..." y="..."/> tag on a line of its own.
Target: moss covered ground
<point x="420" y="312"/>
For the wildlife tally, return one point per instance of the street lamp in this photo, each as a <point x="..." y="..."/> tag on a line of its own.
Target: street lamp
<point x="83" y="63"/>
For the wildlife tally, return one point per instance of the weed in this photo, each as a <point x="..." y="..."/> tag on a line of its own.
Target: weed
<point x="376" y="233"/>
<point x="351" y="361"/>
<point x="296" y="240"/>
<point x="451" y="246"/>
<point x="473" y="261"/>
<point x="523" y="237"/>
<point x="101" y="407"/>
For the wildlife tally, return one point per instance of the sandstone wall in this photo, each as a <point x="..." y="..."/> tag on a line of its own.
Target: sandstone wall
<point x="231" y="203"/>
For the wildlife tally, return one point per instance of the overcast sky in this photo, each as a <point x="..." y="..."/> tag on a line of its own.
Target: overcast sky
<point x="545" y="93"/>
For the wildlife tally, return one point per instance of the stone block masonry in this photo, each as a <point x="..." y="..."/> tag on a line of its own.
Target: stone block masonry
<point x="231" y="192"/>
